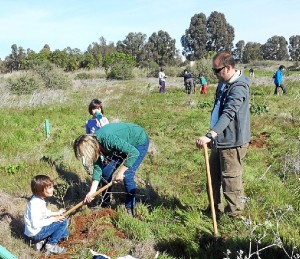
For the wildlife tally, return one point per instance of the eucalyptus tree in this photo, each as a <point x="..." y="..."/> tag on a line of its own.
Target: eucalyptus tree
<point x="103" y="48"/>
<point x="46" y="46"/>
<point x="238" y="51"/>
<point x="220" y="33"/>
<point x="160" y="48"/>
<point x="275" y="49"/>
<point x="252" y="52"/>
<point x="195" y="38"/>
<point x="294" y="47"/>
<point x="13" y="60"/>
<point x="133" y="44"/>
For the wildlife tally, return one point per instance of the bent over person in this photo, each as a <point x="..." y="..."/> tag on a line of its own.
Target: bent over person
<point x="113" y="144"/>
<point x="229" y="134"/>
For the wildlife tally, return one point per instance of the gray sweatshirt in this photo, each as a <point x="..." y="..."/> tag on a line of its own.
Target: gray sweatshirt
<point x="233" y="126"/>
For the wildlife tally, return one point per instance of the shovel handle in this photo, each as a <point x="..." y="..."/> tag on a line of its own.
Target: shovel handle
<point x="92" y="196"/>
<point x="210" y="191"/>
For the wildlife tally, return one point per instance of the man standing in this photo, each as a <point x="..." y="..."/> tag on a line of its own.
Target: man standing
<point x="188" y="82"/>
<point x="229" y="134"/>
<point x="278" y="79"/>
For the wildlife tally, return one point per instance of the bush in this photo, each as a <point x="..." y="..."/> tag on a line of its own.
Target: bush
<point x="25" y="83"/>
<point x="204" y="66"/>
<point x="152" y="68"/>
<point x="258" y="109"/>
<point x="53" y="77"/>
<point x="119" y="66"/>
<point x="121" y="71"/>
<point x="173" y="71"/>
<point x="85" y="75"/>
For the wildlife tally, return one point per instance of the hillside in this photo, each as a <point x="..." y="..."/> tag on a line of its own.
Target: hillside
<point x="170" y="222"/>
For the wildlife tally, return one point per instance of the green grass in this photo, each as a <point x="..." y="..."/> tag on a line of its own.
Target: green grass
<point x="172" y="180"/>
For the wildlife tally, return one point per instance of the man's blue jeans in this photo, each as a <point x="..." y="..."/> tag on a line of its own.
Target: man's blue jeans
<point x="55" y="231"/>
<point x="129" y="183"/>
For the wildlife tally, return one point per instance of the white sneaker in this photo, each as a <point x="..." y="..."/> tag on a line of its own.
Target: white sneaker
<point x="39" y="245"/>
<point x="54" y="249"/>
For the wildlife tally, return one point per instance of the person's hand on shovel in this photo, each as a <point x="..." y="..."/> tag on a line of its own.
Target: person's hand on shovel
<point x="121" y="174"/>
<point x="201" y="141"/>
<point x="88" y="198"/>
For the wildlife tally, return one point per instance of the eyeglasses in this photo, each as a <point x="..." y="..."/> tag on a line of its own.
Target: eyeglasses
<point x="218" y="70"/>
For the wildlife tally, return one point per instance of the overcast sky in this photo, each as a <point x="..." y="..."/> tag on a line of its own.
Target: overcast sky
<point x="76" y="23"/>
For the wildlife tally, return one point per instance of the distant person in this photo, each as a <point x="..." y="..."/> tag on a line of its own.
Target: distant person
<point x="162" y="80"/>
<point x="251" y="72"/>
<point x="116" y="145"/>
<point x="229" y="135"/>
<point x="42" y="225"/>
<point x="278" y="80"/>
<point x="188" y="81"/>
<point x="203" y="84"/>
<point x="98" y="120"/>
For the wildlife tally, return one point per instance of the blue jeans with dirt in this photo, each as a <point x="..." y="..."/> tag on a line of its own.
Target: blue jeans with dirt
<point x="54" y="232"/>
<point x="129" y="183"/>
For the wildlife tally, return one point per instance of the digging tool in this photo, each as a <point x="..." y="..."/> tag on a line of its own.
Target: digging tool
<point x="210" y="191"/>
<point x="92" y="196"/>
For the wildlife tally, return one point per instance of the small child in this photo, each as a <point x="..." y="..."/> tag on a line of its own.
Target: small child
<point x="203" y="84"/>
<point x="97" y="121"/>
<point x="41" y="224"/>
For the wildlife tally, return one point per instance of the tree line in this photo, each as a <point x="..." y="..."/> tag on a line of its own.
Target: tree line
<point x="204" y="35"/>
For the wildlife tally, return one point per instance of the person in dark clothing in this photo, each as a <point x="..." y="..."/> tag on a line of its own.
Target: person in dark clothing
<point x="189" y="83"/>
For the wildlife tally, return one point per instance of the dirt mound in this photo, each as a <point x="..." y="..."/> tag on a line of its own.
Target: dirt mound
<point x="85" y="230"/>
<point x="260" y="140"/>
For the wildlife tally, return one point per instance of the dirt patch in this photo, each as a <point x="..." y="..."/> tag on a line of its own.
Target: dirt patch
<point x="260" y="140"/>
<point x="86" y="230"/>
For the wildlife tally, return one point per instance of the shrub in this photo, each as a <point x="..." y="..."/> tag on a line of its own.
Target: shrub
<point x="53" y="77"/>
<point x="204" y="66"/>
<point x="119" y="66"/>
<point x="85" y="75"/>
<point x="258" y="108"/>
<point x="120" y="71"/>
<point x="173" y="71"/>
<point x="205" y="104"/>
<point x="25" y="83"/>
<point x="152" y="68"/>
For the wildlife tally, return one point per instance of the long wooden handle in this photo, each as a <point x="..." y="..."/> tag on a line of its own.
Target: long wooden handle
<point x="210" y="191"/>
<point x="92" y="196"/>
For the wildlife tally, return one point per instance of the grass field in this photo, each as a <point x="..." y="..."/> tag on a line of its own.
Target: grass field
<point x="172" y="194"/>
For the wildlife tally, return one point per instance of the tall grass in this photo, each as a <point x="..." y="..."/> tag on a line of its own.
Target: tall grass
<point x="172" y="178"/>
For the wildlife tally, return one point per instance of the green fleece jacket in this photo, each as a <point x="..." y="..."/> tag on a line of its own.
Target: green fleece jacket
<point x="119" y="139"/>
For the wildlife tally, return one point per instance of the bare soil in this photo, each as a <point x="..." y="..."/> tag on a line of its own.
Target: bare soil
<point x="261" y="140"/>
<point x="85" y="231"/>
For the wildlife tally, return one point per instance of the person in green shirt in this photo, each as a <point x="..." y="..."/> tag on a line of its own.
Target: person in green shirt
<point x="203" y="84"/>
<point x="114" y="145"/>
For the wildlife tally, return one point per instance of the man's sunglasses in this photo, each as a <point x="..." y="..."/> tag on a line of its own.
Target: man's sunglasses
<point x="218" y="70"/>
